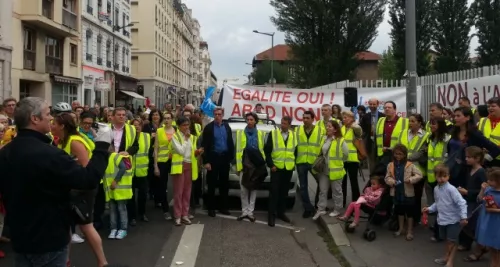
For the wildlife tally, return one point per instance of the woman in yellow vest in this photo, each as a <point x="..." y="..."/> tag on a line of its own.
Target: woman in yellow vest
<point x="163" y="162"/>
<point x="490" y="127"/>
<point x="415" y="140"/>
<point x="137" y="204"/>
<point x="248" y="141"/>
<point x="64" y="127"/>
<point x="335" y="151"/>
<point x="352" y="134"/>
<point x="184" y="169"/>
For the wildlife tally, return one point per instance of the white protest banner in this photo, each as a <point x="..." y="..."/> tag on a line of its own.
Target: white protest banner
<point x="279" y="102"/>
<point x="477" y="90"/>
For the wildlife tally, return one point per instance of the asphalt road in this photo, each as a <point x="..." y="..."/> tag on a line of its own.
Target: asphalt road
<point x="211" y="242"/>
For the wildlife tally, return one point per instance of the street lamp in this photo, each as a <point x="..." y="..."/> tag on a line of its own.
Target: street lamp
<point x="272" y="52"/>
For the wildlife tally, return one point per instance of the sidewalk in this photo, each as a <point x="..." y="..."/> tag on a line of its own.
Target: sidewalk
<point x="386" y="250"/>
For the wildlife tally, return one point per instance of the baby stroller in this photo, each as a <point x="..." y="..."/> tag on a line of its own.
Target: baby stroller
<point x="378" y="215"/>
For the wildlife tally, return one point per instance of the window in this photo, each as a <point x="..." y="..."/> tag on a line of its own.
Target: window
<point x="29" y="49"/>
<point x="70" y="5"/>
<point x="124" y="20"/>
<point x="53" y="55"/>
<point x="123" y="57"/>
<point x="108" y="51"/>
<point x="24" y="89"/>
<point x="117" y="16"/>
<point x="64" y="93"/>
<point x="99" y="46"/>
<point x="47" y="8"/>
<point x="73" y="53"/>
<point x="88" y="42"/>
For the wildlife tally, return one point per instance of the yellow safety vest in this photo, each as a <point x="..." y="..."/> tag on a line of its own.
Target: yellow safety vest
<point x="473" y="110"/>
<point x="80" y="139"/>
<point x="436" y="154"/>
<point x="401" y="125"/>
<point x="178" y="159"/>
<point x="141" y="159"/>
<point x="308" y="149"/>
<point x="283" y="155"/>
<point x="241" y="143"/>
<point x="164" y="145"/>
<point x="197" y="128"/>
<point x="86" y="138"/>
<point x="321" y="124"/>
<point x="123" y="190"/>
<point x="492" y="134"/>
<point x="335" y="158"/>
<point x="349" y="139"/>
<point x="415" y="145"/>
<point x="428" y="125"/>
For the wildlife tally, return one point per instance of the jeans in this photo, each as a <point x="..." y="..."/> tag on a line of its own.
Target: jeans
<point x="182" y="190"/>
<point x="118" y="210"/>
<point x="50" y="259"/>
<point x="303" y="170"/>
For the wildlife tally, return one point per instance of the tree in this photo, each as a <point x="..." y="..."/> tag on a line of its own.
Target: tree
<point x="262" y="73"/>
<point x="325" y="35"/>
<point x="451" y="35"/>
<point x="424" y="27"/>
<point x="486" y="19"/>
<point x="387" y="66"/>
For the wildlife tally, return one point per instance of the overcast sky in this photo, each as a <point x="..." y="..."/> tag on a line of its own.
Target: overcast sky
<point x="227" y="26"/>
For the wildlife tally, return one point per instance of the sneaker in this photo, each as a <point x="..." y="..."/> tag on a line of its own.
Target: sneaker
<point x="318" y="214"/>
<point x="167" y="216"/>
<point x="191" y="216"/>
<point x="185" y="220"/>
<point x="121" y="234"/>
<point x="334" y="213"/>
<point x="112" y="234"/>
<point x="178" y="222"/>
<point x="76" y="239"/>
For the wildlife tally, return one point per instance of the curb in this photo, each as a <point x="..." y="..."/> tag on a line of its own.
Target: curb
<point x="335" y="230"/>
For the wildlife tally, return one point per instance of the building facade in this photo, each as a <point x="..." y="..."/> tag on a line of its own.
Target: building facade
<point x="5" y="49"/>
<point x="106" y="54"/>
<point x="205" y="64"/>
<point x="213" y="79"/>
<point x="163" y="38"/>
<point x="49" y="65"/>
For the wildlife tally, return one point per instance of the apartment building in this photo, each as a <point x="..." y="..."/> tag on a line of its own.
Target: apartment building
<point x="106" y="54"/>
<point x="213" y="79"/>
<point x="162" y="52"/>
<point x="49" y="65"/>
<point x="5" y="49"/>
<point x="196" y="96"/>
<point x="205" y="64"/>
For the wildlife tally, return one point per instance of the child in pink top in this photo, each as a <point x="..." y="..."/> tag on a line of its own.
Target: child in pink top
<point x="370" y="197"/>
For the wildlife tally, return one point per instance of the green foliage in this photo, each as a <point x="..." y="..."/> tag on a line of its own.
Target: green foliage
<point x="262" y="73"/>
<point x="325" y="35"/>
<point x="485" y="16"/>
<point x="387" y="66"/>
<point x="425" y="26"/>
<point x="451" y="36"/>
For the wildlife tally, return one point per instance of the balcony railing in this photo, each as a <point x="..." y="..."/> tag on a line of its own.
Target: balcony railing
<point x="90" y="10"/>
<point x="88" y="57"/>
<point x="53" y="65"/>
<point x="124" y="68"/>
<point x="108" y="64"/>
<point x="69" y="19"/>
<point x="117" y="66"/>
<point x="126" y="33"/>
<point x="48" y="8"/>
<point x="29" y="59"/>
<point x="99" y="61"/>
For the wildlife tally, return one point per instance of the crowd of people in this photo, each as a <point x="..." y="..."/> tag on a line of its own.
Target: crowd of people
<point x="116" y="157"/>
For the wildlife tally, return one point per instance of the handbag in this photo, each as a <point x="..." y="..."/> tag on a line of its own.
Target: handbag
<point x="319" y="164"/>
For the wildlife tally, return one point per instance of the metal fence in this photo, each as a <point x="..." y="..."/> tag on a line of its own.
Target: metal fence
<point x="427" y="83"/>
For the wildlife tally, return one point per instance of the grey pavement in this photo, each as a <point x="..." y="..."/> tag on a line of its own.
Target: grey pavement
<point x="388" y="251"/>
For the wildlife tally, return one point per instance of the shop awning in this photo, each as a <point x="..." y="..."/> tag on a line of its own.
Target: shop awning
<point x="133" y="94"/>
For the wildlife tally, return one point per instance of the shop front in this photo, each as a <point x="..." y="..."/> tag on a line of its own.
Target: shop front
<point x="95" y="86"/>
<point x="126" y="92"/>
<point x="65" y="89"/>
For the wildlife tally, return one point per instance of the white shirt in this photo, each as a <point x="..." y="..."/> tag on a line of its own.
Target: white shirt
<point x="117" y="137"/>
<point x="183" y="149"/>
<point x="420" y="133"/>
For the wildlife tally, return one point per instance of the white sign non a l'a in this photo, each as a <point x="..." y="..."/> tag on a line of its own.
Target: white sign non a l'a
<point x="102" y="85"/>
<point x="478" y="91"/>
<point x="279" y="102"/>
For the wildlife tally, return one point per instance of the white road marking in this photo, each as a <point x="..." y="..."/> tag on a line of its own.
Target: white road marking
<point x="289" y="227"/>
<point x="187" y="250"/>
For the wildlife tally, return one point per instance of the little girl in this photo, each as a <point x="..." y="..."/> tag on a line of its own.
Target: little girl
<point x="370" y="197"/>
<point x="487" y="233"/>
<point x="401" y="176"/>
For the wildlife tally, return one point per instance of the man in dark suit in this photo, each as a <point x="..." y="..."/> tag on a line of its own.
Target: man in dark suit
<point x="368" y="124"/>
<point x="218" y="145"/>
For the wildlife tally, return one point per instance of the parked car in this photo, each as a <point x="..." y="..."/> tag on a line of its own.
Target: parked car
<point x="266" y="126"/>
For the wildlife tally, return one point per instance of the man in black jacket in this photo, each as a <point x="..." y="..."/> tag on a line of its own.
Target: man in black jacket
<point x="35" y="184"/>
<point x="217" y="142"/>
<point x="368" y="123"/>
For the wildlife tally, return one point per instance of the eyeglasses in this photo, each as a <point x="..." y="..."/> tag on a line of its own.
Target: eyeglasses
<point x="217" y="114"/>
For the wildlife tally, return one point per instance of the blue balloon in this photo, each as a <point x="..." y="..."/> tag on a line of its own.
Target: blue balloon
<point x="208" y="106"/>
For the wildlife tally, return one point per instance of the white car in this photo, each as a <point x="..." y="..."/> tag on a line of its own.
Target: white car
<point x="234" y="180"/>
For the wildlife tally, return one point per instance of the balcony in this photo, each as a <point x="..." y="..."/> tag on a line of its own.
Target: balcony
<point x="99" y="61"/>
<point x="126" y="33"/>
<point x="88" y="57"/>
<point x="108" y="64"/>
<point x="29" y="59"/>
<point x="53" y="65"/>
<point x="124" y="68"/>
<point x="47" y="16"/>
<point x="117" y="66"/>
<point x="127" y="69"/>
<point x="90" y="10"/>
